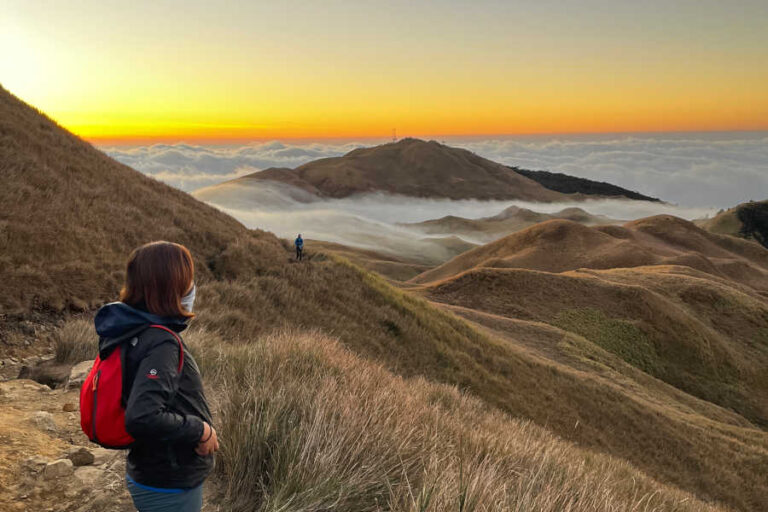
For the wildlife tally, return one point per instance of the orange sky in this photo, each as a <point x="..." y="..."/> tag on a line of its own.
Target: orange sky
<point x="302" y="69"/>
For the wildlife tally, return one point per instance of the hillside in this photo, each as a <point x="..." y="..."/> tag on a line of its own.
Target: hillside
<point x="394" y="362"/>
<point x="655" y="299"/>
<point x="572" y="185"/>
<point x="561" y="245"/>
<point x="747" y="220"/>
<point x="411" y="167"/>
<point x="512" y="219"/>
<point x="388" y="266"/>
<point x="71" y="214"/>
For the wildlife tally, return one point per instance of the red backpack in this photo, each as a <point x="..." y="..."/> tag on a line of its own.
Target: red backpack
<point x="102" y="411"/>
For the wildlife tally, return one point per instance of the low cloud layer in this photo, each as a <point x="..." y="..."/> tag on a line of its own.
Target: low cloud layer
<point x="371" y="221"/>
<point x="695" y="170"/>
<point x="190" y="167"/>
<point x="718" y="170"/>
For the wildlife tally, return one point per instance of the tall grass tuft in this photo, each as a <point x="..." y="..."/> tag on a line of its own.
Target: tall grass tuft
<point x="76" y="341"/>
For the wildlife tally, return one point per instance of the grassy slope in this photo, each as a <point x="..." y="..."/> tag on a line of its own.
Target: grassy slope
<point x="71" y="214"/>
<point x="383" y="264"/>
<point x="308" y="425"/>
<point x="702" y="336"/>
<point x="680" y="440"/>
<point x="731" y="222"/>
<point x="352" y="436"/>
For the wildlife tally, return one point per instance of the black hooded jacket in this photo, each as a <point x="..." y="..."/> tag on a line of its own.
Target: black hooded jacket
<point x="164" y="411"/>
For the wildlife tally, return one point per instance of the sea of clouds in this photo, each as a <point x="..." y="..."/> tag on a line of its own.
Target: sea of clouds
<point x="716" y="170"/>
<point x="695" y="174"/>
<point x="190" y="167"/>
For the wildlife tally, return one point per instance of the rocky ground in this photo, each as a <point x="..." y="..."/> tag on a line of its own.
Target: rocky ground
<point x="48" y="464"/>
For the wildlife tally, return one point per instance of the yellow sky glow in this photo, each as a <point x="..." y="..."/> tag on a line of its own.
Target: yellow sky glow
<point x="190" y="71"/>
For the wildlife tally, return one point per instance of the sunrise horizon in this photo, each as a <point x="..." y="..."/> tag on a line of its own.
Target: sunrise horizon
<point x="306" y="71"/>
<point x="382" y="139"/>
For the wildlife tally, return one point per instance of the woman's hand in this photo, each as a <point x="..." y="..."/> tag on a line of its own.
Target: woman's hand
<point x="208" y="443"/>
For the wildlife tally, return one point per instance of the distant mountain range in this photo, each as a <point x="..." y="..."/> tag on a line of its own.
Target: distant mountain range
<point x="562" y="245"/>
<point x="418" y="168"/>
<point x="508" y="221"/>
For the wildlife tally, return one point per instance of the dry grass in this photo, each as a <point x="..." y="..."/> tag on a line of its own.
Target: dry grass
<point x="308" y="426"/>
<point x="563" y="245"/>
<point x="669" y="435"/>
<point x="383" y="264"/>
<point x="71" y="215"/>
<point x="685" y="327"/>
<point x="75" y="341"/>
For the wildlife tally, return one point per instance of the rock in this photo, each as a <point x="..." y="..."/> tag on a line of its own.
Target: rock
<point x="36" y="387"/>
<point x="48" y="372"/>
<point x="80" y="456"/>
<point x="102" y="455"/>
<point x="57" y="469"/>
<point x="44" y="421"/>
<point x="32" y="385"/>
<point x="78" y="373"/>
<point x="69" y="407"/>
<point x="9" y="369"/>
<point x="35" y="464"/>
<point x="88" y="475"/>
<point x="27" y="328"/>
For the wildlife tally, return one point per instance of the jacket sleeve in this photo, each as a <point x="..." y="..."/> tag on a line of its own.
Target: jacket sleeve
<point x="146" y="413"/>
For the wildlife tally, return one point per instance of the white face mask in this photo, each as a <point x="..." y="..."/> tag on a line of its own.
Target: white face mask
<point x="188" y="301"/>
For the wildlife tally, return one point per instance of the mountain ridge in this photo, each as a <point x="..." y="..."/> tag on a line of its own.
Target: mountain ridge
<point x="568" y="184"/>
<point x="511" y="219"/>
<point x="418" y="168"/>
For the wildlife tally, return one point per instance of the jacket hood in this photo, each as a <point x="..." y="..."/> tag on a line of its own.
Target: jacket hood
<point x="117" y="318"/>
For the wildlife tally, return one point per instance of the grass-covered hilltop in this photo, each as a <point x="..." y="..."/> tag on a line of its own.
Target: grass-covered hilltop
<point x="428" y="169"/>
<point x="563" y="367"/>
<point x="747" y="220"/>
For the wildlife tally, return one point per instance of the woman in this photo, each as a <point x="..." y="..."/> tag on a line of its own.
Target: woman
<point x="165" y="409"/>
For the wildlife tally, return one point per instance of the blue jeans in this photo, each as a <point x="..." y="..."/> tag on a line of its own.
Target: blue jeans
<point x="154" y="499"/>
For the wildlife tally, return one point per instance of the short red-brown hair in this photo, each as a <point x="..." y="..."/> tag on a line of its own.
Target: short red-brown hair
<point x="158" y="275"/>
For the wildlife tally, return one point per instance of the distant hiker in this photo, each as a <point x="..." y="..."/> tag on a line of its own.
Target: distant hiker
<point x="299" y="243"/>
<point x="166" y="413"/>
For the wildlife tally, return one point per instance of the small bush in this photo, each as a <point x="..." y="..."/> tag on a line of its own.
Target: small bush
<point x="754" y="221"/>
<point x="76" y="341"/>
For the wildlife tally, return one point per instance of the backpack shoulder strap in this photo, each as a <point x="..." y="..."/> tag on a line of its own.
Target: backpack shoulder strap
<point x="178" y="340"/>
